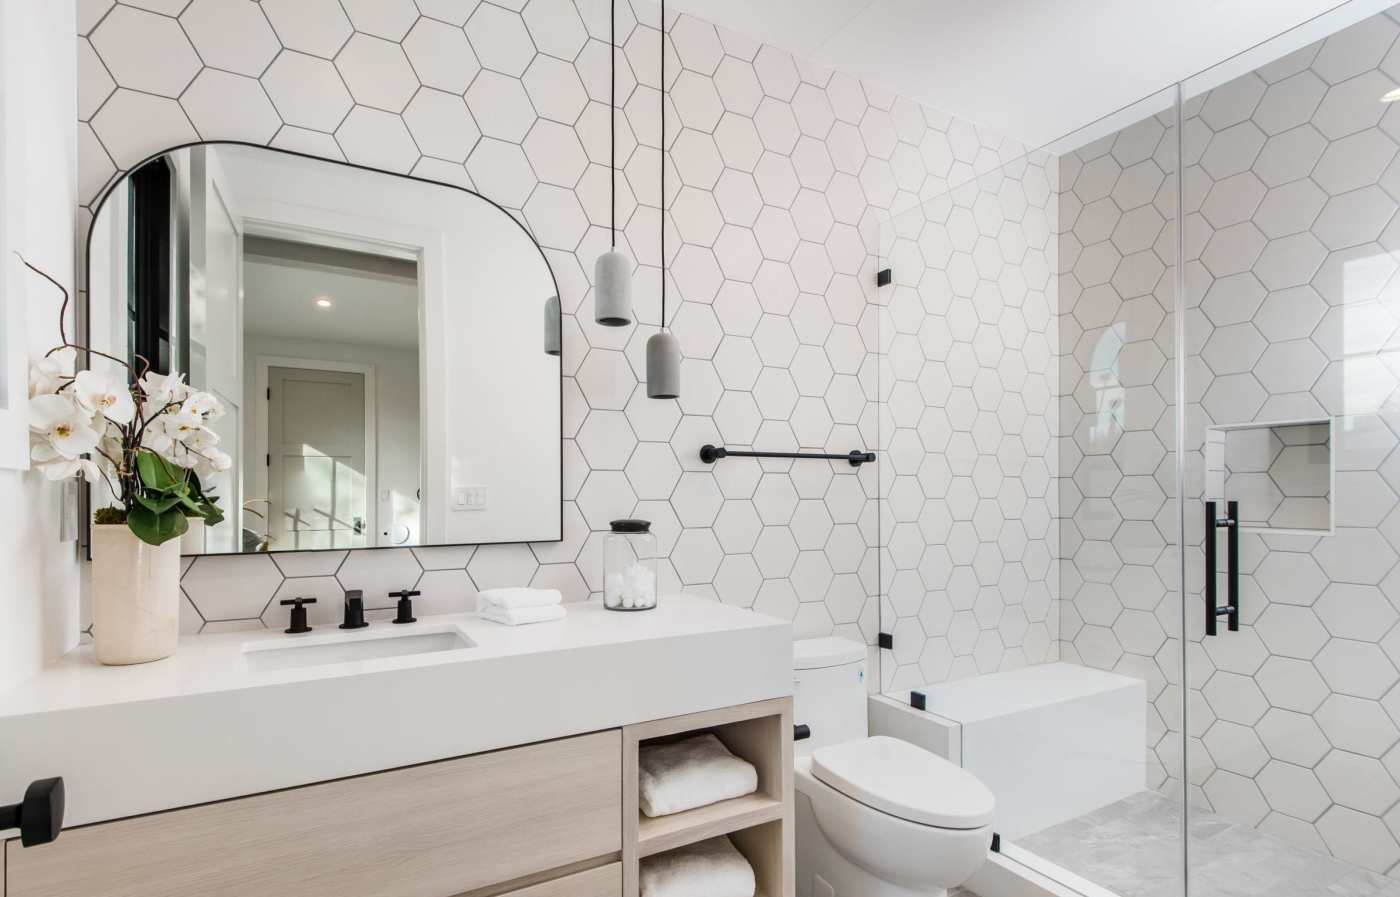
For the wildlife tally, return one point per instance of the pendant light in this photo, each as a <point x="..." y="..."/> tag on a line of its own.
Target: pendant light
<point x="552" y="337"/>
<point x="612" y="273"/>
<point x="663" y="350"/>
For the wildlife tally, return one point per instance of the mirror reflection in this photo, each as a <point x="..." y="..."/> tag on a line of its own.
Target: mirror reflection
<point x="379" y="344"/>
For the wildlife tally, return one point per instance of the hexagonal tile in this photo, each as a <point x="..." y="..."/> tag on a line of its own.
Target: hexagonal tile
<point x="146" y="52"/>
<point x="307" y="91"/>
<point x="317" y="27"/>
<point x="378" y="139"/>
<point x="224" y="106"/>
<point x="500" y="40"/>
<point x="377" y="573"/>
<point x="441" y="125"/>
<point x="441" y="56"/>
<point x="232" y="588"/>
<point x="234" y="36"/>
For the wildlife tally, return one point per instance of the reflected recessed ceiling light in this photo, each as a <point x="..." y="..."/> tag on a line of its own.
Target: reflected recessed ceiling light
<point x="323" y="302"/>
<point x="1391" y="96"/>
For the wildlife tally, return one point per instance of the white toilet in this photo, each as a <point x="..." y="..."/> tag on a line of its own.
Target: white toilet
<point x="876" y="816"/>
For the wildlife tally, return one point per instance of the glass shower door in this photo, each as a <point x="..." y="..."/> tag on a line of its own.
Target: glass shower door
<point x="1028" y="529"/>
<point x="1292" y="326"/>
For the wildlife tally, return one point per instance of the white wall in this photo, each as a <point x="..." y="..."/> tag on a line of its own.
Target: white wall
<point x="39" y="604"/>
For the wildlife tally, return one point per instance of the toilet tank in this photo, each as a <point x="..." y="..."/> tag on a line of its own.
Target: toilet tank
<point x="828" y="693"/>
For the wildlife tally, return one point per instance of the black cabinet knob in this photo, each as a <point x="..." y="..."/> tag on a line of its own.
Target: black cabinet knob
<point x="39" y="817"/>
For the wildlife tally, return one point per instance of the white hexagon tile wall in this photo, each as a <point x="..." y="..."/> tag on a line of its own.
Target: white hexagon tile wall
<point x="1292" y="182"/>
<point x="782" y="173"/>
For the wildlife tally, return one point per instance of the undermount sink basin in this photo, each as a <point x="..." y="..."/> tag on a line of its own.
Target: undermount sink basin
<point x="314" y="651"/>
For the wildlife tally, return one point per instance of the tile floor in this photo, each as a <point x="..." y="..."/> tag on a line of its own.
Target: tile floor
<point x="1132" y="848"/>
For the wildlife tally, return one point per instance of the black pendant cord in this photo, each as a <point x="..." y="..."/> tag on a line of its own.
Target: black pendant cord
<point x="663" y="164"/>
<point x="612" y="120"/>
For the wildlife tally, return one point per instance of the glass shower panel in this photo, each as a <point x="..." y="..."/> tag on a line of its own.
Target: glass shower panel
<point x="1292" y="329"/>
<point x="968" y="420"/>
<point x="1027" y="477"/>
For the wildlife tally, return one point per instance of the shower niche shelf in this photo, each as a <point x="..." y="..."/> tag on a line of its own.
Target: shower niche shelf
<point x="1281" y="472"/>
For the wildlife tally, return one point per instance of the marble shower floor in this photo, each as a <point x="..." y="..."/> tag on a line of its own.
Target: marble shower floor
<point x="1132" y="848"/>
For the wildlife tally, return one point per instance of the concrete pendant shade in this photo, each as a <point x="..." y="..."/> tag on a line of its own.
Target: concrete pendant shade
<point x="612" y="289"/>
<point x="552" y="337"/>
<point x="663" y="366"/>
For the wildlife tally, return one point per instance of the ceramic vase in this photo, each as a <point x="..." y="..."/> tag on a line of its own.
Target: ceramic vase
<point x="192" y="542"/>
<point x="135" y="596"/>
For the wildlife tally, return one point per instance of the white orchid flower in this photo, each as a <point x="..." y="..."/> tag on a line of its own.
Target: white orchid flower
<point x="206" y="405"/>
<point x="106" y="394"/>
<point x="47" y="375"/>
<point x="156" y="439"/>
<point x="55" y="467"/>
<point x="180" y="424"/>
<point x="163" y="389"/>
<point x="66" y="426"/>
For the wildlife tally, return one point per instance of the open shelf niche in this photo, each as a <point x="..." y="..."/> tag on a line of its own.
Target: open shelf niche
<point x="760" y="824"/>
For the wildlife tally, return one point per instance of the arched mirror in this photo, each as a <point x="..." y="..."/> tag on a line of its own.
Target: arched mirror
<point x="385" y="349"/>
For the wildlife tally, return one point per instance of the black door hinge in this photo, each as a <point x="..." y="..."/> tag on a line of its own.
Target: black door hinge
<point x="886" y="640"/>
<point x="918" y="700"/>
<point x="269" y="393"/>
<point x="884" y="278"/>
<point x="269" y="459"/>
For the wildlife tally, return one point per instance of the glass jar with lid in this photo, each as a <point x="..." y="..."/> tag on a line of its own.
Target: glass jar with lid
<point x="629" y="566"/>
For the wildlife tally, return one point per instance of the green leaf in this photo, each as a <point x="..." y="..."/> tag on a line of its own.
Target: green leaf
<point x="212" y="515"/>
<point x="156" y="529"/>
<point x="160" y="505"/>
<point x="157" y="473"/>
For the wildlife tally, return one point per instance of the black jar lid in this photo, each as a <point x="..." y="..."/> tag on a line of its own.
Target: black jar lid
<point x="631" y="526"/>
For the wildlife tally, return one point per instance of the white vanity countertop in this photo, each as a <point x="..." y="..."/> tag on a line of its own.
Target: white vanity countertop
<point x="201" y="726"/>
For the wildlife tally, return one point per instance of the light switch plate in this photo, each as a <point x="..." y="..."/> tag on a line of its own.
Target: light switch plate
<point x="469" y="498"/>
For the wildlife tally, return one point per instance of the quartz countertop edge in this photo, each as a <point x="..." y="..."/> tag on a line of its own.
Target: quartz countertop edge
<point x="200" y="726"/>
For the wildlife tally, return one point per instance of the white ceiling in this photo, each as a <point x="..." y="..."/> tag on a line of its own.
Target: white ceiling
<point x="279" y="300"/>
<point x="1034" y="70"/>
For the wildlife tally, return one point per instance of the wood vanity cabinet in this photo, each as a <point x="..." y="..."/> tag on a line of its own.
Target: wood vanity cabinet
<point x="478" y="823"/>
<point x="553" y="819"/>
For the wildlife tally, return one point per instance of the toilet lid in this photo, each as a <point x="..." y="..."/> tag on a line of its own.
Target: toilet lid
<point x="906" y="781"/>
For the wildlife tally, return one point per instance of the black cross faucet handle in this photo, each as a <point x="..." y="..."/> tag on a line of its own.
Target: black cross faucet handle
<point x="405" y="609"/>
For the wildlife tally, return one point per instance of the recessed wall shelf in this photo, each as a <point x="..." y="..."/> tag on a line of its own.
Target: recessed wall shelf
<point x="1280" y="472"/>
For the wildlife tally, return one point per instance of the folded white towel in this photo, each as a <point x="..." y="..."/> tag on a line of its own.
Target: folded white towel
<point x="519" y="616"/>
<point x="518" y="597"/>
<point x="713" y="868"/>
<point x="683" y="775"/>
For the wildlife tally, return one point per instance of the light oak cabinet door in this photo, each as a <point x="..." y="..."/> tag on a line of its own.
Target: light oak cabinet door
<point x="435" y="830"/>
<point x="605" y="881"/>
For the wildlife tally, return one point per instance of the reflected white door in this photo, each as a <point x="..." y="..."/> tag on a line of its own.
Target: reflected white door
<point x="317" y="469"/>
<point x="223" y="368"/>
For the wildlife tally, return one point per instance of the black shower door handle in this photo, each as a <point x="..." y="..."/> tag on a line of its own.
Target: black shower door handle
<point x="1231" y="609"/>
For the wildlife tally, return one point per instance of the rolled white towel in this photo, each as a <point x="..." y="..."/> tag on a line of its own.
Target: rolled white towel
<point x="517" y="597"/>
<point x="713" y="868"/>
<point x="519" y="616"/>
<point x="683" y="775"/>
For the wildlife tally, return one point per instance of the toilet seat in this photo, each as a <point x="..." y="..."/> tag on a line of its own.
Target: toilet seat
<point x="905" y="781"/>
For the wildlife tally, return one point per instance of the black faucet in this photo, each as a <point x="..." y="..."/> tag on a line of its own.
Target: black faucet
<point x="354" y="610"/>
<point x="405" y="614"/>
<point x="298" y="614"/>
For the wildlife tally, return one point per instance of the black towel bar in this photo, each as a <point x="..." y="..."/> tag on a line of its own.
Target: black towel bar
<point x="711" y="453"/>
